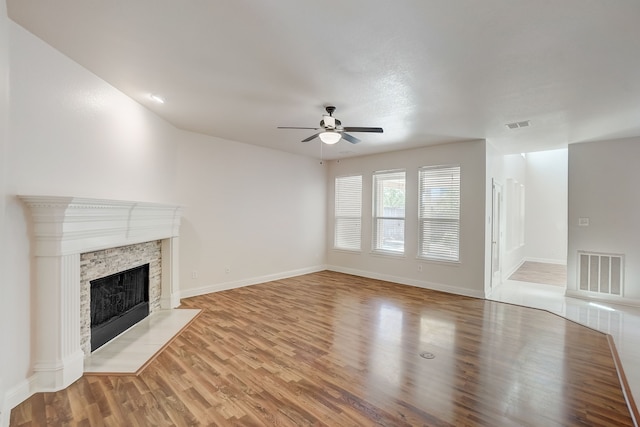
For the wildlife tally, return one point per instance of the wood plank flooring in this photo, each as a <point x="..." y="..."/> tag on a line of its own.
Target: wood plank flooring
<point x="329" y="349"/>
<point x="541" y="272"/>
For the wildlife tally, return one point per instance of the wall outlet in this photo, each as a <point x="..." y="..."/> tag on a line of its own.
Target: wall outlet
<point x="227" y="270"/>
<point x="194" y="274"/>
<point x="583" y="222"/>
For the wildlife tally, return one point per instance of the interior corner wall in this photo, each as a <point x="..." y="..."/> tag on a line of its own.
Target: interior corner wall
<point x="251" y="214"/>
<point x="546" y="198"/>
<point x="603" y="180"/>
<point x="5" y="319"/>
<point x="466" y="277"/>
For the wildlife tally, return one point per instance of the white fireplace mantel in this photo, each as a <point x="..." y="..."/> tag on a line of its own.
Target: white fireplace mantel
<point x="65" y="227"/>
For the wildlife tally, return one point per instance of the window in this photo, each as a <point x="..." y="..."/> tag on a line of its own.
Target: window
<point x="348" y="212"/>
<point x="439" y="213"/>
<point x="388" y="211"/>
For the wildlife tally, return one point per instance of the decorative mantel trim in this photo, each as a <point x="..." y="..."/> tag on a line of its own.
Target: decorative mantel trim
<point x="68" y="225"/>
<point x="65" y="227"/>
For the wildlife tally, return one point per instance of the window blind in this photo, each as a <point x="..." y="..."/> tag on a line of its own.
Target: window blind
<point x="348" y="212"/>
<point x="439" y="213"/>
<point x="388" y="211"/>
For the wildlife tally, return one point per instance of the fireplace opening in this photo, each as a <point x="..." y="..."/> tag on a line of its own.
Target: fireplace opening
<point x="118" y="302"/>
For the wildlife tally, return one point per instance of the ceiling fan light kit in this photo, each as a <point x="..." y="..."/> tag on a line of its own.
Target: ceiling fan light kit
<point x="333" y="129"/>
<point x="330" y="137"/>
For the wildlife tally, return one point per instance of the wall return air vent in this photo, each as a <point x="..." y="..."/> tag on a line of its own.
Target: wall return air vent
<point x="601" y="273"/>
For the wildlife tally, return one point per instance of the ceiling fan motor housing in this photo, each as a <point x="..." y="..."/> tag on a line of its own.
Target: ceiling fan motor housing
<point x="329" y="122"/>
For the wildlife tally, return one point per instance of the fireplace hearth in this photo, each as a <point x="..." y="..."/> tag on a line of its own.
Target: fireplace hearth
<point x="118" y="301"/>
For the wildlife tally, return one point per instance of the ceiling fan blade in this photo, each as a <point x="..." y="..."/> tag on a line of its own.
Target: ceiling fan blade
<point x="350" y="138"/>
<point x="360" y="129"/>
<point x="296" y="127"/>
<point x="311" y="137"/>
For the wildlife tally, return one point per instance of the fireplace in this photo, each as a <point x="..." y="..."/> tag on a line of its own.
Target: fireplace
<point x="64" y="229"/>
<point x="118" y="302"/>
<point x="111" y="262"/>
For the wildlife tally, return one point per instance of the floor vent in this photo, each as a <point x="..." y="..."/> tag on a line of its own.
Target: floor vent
<point x="601" y="273"/>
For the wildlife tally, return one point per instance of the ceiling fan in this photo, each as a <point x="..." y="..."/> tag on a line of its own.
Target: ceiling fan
<point x="332" y="129"/>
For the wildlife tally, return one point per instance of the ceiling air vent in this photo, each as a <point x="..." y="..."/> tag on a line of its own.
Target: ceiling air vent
<point x="516" y="125"/>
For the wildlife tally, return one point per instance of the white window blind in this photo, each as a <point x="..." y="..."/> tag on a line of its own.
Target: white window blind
<point x="439" y="213"/>
<point x="348" y="212"/>
<point x="388" y="211"/>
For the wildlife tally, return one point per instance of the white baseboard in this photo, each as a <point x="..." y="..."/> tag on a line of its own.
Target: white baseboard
<point x="547" y="260"/>
<point x="530" y="259"/>
<point x="186" y="293"/>
<point x="479" y="293"/>
<point x="610" y="299"/>
<point x="513" y="270"/>
<point x="224" y="286"/>
<point x="4" y="411"/>
<point x="16" y="396"/>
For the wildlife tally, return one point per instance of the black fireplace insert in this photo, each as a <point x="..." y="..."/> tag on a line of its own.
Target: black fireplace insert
<point x="118" y="302"/>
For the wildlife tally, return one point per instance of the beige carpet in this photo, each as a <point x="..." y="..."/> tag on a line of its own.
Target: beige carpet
<point x="539" y="272"/>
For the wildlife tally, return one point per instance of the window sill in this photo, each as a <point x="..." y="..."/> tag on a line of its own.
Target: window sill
<point x="348" y="251"/>
<point x="438" y="261"/>
<point x="385" y="254"/>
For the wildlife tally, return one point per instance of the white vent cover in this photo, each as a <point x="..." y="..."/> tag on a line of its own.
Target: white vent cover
<point x="516" y="125"/>
<point x="601" y="273"/>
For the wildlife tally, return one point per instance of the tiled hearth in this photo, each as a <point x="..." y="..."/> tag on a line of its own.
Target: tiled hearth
<point x="64" y="228"/>
<point x="132" y="350"/>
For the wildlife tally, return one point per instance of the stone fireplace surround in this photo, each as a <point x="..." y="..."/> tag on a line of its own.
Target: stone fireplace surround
<point x="98" y="264"/>
<point x="62" y="229"/>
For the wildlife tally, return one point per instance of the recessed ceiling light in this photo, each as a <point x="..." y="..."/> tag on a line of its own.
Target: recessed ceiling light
<point x="157" y="98"/>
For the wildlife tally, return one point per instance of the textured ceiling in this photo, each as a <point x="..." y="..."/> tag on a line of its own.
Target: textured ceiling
<point x="427" y="71"/>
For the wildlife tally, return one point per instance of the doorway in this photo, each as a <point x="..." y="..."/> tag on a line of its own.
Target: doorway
<point x="536" y="225"/>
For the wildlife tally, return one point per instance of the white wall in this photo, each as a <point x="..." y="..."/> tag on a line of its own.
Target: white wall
<point x="546" y="206"/>
<point x="256" y="211"/>
<point x="73" y="134"/>
<point x="603" y="186"/>
<point x="515" y="168"/>
<point x="467" y="277"/>
<point x="5" y="303"/>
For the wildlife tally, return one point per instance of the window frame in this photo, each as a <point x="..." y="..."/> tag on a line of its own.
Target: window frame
<point x="378" y="178"/>
<point x="453" y="254"/>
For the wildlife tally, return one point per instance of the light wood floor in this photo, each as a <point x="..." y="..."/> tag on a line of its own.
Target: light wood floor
<point x="540" y="272"/>
<point x="339" y="350"/>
